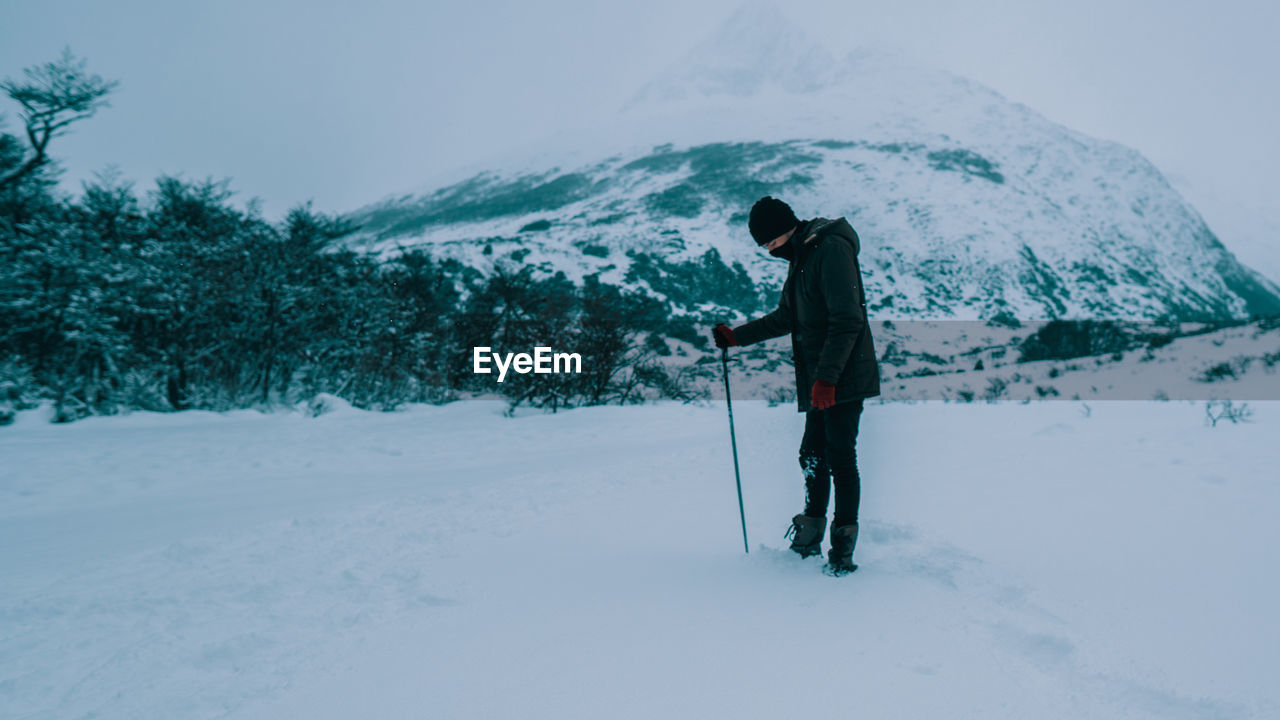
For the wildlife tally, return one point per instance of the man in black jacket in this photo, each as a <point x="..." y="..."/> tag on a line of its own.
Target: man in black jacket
<point x="824" y="309"/>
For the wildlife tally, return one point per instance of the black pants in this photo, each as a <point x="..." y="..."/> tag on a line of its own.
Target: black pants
<point x="828" y="457"/>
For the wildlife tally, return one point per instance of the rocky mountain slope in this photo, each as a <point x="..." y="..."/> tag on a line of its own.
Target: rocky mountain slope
<point x="969" y="206"/>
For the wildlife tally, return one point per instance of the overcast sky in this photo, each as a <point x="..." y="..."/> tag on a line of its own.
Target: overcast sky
<point x="345" y="103"/>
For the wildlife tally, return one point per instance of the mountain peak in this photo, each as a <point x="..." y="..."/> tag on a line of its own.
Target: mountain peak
<point x="757" y="50"/>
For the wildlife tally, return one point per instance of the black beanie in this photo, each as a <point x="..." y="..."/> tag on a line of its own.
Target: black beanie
<point x="770" y="217"/>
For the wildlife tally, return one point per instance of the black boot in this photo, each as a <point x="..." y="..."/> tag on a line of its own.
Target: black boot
<point x="840" y="557"/>
<point x="806" y="533"/>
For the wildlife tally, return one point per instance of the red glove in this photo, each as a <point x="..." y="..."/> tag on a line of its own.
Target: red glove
<point x="823" y="395"/>
<point x="723" y="335"/>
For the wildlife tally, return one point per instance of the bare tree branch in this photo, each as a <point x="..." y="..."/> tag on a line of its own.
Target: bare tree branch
<point x="53" y="96"/>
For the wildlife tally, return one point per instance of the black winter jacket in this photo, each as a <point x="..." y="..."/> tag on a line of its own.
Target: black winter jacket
<point x="824" y="308"/>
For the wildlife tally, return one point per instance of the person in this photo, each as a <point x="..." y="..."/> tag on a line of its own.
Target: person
<point x="824" y="309"/>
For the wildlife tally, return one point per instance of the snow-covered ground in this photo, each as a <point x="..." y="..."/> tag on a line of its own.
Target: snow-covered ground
<point x="448" y="562"/>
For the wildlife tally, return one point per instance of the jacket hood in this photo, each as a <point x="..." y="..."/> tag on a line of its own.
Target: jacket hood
<point x="823" y="227"/>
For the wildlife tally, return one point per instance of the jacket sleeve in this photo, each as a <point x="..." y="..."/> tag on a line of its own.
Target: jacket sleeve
<point x="839" y="279"/>
<point x="775" y="324"/>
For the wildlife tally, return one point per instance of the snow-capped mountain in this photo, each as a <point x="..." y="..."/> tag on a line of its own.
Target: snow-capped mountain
<point x="968" y="205"/>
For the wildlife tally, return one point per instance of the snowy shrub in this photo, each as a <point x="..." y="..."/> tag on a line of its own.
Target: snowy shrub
<point x="920" y="372"/>
<point x="69" y="408"/>
<point x="143" y="390"/>
<point x="1221" y="371"/>
<point x="703" y="279"/>
<point x="18" y="389"/>
<point x="662" y="383"/>
<point x="996" y="388"/>
<point x="1046" y="391"/>
<point x="1217" y="410"/>
<point x="965" y="161"/>
<point x="1064" y="339"/>
<point x="656" y="343"/>
<point x="965" y="395"/>
<point x="780" y="395"/>
<point x="1230" y="369"/>
<point x="893" y="355"/>
<point x="1006" y="319"/>
<point x="324" y="403"/>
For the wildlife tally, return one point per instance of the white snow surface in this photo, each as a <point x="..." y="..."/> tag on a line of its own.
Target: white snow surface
<point x="1041" y="560"/>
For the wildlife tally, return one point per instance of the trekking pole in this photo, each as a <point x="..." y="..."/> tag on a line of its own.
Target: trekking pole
<point x="733" y="439"/>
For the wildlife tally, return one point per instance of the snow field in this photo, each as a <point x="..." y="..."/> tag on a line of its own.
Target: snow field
<point x="449" y="562"/>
